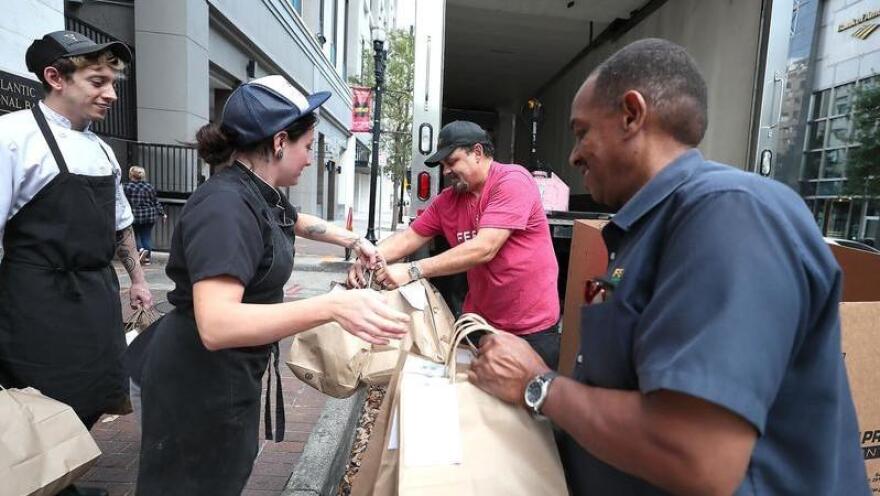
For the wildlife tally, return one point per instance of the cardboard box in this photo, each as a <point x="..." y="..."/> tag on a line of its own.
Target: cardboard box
<point x="861" y="273"/>
<point x="589" y="259"/>
<point x="860" y="330"/>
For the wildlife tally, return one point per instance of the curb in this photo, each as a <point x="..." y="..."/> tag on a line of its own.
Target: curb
<point x="314" y="264"/>
<point x="325" y="456"/>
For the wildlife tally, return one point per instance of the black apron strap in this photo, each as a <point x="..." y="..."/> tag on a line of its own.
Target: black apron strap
<point x="50" y="138"/>
<point x="279" y="398"/>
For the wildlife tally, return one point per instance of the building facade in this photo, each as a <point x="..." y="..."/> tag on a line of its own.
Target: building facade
<point x="189" y="56"/>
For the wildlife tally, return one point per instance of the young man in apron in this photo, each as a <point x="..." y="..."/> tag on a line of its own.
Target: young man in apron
<point x="63" y="215"/>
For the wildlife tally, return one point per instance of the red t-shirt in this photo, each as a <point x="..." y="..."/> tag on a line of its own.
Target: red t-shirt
<point x="516" y="290"/>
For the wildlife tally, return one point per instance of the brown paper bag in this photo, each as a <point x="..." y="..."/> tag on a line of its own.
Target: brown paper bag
<point x="44" y="446"/>
<point x="505" y="452"/>
<point x="377" y="475"/>
<point x="336" y="363"/>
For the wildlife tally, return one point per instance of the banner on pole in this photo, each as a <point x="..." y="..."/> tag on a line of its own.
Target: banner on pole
<point x="361" y="112"/>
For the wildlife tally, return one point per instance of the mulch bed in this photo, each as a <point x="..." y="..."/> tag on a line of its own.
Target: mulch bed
<point x="362" y="437"/>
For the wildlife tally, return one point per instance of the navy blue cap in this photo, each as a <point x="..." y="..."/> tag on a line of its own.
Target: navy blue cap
<point x="259" y="109"/>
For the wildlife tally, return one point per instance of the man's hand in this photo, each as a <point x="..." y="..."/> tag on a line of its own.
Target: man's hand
<point x="368" y="254"/>
<point x="504" y="366"/>
<point x="393" y="276"/>
<point x="140" y="296"/>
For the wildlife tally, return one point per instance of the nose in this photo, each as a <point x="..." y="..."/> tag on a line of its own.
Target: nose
<point x="574" y="158"/>
<point x="110" y="93"/>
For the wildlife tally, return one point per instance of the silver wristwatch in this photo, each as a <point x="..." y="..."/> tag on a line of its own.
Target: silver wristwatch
<point x="536" y="392"/>
<point x="415" y="273"/>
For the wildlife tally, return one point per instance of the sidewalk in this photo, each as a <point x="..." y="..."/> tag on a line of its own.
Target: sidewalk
<point x="316" y="265"/>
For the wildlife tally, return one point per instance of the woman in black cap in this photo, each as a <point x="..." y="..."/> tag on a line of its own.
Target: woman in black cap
<point x="232" y="252"/>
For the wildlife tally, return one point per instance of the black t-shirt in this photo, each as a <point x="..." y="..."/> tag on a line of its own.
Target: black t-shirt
<point x="225" y="229"/>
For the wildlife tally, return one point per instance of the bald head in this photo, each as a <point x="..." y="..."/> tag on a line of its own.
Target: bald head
<point x="666" y="77"/>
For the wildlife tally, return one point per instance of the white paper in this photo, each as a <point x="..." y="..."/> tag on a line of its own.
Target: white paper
<point x="421" y="366"/>
<point x="394" y="439"/>
<point x="430" y="431"/>
<point x="414" y="294"/>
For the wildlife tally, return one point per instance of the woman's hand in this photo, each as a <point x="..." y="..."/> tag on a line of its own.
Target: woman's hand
<point x="365" y="313"/>
<point x="368" y="254"/>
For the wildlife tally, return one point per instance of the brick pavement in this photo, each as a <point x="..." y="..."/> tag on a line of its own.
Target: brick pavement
<point x="119" y="440"/>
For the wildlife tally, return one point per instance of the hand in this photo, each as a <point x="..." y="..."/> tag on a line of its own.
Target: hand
<point x="365" y="313"/>
<point x="140" y="296"/>
<point x="368" y="254"/>
<point x="393" y="276"/>
<point x="356" y="276"/>
<point x="505" y="365"/>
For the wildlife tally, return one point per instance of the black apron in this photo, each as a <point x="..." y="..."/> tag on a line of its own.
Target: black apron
<point x="201" y="409"/>
<point x="60" y="317"/>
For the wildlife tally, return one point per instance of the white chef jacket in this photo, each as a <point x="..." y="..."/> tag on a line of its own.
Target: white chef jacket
<point x="27" y="164"/>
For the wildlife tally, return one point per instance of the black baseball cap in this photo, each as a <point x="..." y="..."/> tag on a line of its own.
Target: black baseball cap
<point x="53" y="46"/>
<point x="265" y="106"/>
<point x="455" y="135"/>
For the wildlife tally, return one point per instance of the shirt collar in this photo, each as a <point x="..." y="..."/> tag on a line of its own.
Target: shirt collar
<point x="272" y="196"/>
<point x="657" y="189"/>
<point x="59" y="119"/>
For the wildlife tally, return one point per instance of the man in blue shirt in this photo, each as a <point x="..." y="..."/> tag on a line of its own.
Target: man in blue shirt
<point x="710" y="358"/>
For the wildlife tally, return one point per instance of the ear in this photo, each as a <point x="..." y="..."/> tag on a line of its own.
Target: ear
<point x="278" y="141"/>
<point x="635" y="111"/>
<point x="54" y="78"/>
<point x="478" y="151"/>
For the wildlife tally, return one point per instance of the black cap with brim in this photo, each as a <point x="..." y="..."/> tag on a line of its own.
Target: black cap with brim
<point x="454" y="135"/>
<point x="44" y="52"/>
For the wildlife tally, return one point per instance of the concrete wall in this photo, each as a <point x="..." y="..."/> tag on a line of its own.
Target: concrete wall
<point x="721" y="36"/>
<point x="21" y="22"/>
<point x="842" y="58"/>
<point x="171" y="38"/>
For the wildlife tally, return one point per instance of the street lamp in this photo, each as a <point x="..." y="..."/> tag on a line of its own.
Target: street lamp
<point x="379" y="58"/>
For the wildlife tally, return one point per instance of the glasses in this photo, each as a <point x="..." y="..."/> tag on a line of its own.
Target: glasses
<point x="597" y="291"/>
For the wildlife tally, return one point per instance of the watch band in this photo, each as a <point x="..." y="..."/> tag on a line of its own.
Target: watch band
<point x="415" y="272"/>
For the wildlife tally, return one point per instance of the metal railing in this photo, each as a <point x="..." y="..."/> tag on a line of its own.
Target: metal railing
<point x="121" y="119"/>
<point x="174" y="170"/>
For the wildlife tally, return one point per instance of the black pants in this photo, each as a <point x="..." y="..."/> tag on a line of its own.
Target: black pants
<point x="546" y="344"/>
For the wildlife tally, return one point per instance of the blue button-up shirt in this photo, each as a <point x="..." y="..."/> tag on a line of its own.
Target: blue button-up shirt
<point x="725" y="291"/>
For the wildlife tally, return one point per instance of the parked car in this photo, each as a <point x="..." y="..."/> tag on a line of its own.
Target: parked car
<point x="851" y="243"/>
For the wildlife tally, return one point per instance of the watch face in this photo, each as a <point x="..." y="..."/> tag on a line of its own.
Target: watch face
<point x="533" y="393"/>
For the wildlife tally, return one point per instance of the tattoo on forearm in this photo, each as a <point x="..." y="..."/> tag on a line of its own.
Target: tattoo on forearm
<point x="124" y="242"/>
<point x="319" y="228"/>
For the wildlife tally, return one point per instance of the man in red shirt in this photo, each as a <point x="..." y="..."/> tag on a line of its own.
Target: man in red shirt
<point x="492" y="217"/>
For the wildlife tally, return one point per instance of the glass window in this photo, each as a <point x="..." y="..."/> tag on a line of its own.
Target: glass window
<point x="820" y="104"/>
<point x="839" y="216"/>
<point x="839" y="132"/>
<point x="808" y="188"/>
<point x="819" y="211"/>
<point x="817" y="135"/>
<point x="856" y="220"/>
<point x="297" y="5"/>
<point x="811" y="165"/>
<point x="842" y="99"/>
<point x="834" y="164"/>
<point x="829" y="188"/>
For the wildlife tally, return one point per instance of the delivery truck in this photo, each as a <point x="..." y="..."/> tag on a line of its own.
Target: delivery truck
<point x="513" y="66"/>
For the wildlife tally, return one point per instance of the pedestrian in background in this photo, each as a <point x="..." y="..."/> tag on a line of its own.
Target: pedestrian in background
<point x="146" y="209"/>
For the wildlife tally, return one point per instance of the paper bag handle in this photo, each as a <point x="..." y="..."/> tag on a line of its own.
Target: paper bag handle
<point x="467" y="324"/>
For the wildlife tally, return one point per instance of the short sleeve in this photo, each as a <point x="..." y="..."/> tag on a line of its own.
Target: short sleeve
<point x="221" y="236"/>
<point x="10" y="178"/>
<point x="726" y="309"/>
<point x="124" y="215"/>
<point x="510" y="202"/>
<point x="428" y="224"/>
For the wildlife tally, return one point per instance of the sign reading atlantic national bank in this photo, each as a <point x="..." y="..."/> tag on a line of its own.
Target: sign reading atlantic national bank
<point x="18" y="93"/>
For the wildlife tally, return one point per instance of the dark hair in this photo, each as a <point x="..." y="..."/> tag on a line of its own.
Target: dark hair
<point x="66" y="66"/>
<point x="488" y="148"/>
<point x="216" y="144"/>
<point x="668" y="79"/>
